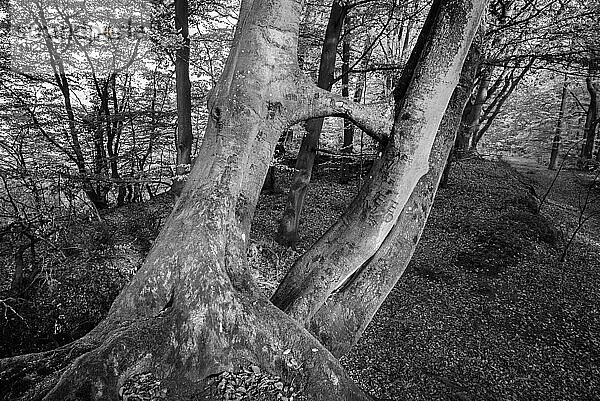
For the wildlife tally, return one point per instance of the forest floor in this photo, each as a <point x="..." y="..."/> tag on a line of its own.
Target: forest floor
<point x="485" y="311"/>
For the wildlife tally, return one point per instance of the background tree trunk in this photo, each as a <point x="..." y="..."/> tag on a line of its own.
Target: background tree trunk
<point x="473" y="119"/>
<point x="348" y="126"/>
<point x="288" y="226"/>
<point x="591" y="119"/>
<point x="184" y="98"/>
<point x="559" y="127"/>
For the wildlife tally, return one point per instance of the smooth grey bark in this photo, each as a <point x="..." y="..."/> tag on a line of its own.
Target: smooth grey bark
<point x="341" y="321"/>
<point x="420" y="104"/>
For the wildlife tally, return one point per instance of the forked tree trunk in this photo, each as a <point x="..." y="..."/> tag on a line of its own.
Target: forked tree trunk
<point x="192" y="310"/>
<point x="341" y="321"/>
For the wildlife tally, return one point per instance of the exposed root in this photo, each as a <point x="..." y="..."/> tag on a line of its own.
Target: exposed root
<point x="27" y="376"/>
<point x="156" y="358"/>
<point x="101" y="373"/>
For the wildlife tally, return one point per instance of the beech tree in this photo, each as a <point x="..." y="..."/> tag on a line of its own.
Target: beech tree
<point x="192" y="311"/>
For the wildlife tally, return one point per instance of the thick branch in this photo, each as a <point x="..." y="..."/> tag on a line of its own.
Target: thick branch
<point x="319" y="103"/>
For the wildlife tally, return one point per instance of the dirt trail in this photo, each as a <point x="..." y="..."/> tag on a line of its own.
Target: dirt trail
<point x="572" y="200"/>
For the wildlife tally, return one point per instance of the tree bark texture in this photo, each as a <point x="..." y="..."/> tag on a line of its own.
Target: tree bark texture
<point x="354" y="239"/>
<point x="341" y="321"/>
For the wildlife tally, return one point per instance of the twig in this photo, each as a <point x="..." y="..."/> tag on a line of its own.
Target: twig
<point x="562" y="164"/>
<point x="581" y="220"/>
<point x="7" y="307"/>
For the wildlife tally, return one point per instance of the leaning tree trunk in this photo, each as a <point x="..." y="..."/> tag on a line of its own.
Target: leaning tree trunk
<point x="192" y="311"/>
<point x="423" y="93"/>
<point x="341" y="321"/>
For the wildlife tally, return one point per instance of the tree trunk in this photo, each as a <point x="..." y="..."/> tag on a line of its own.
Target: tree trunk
<point x="108" y="94"/>
<point x="591" y="120"/>
<point x="184" y="98"/>
<point x="192" y="311"/>
<point x="433" y="68"/>
<point x="559" y="127"/>
<point x="269" y="185"/>
<point x="115" y="143"/>
<point x="340" y="322"/>
<point x="288" y="226"/>
<point x="462" y="143"/>
<point x="407" y="34"/>
<point x="348" y="126"/>
<point x="474" y="119"/>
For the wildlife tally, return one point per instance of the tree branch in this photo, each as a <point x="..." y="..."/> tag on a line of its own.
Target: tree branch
<point x="318" y="103"/>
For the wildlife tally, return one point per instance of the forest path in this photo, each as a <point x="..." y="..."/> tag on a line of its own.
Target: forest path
<point x="572" y="200"/>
